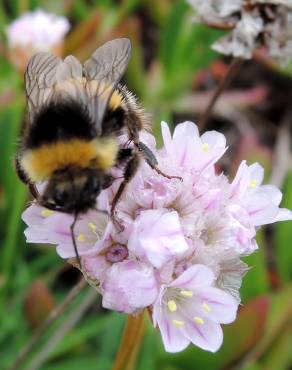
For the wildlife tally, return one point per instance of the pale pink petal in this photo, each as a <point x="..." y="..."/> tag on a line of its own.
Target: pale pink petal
<point x="270" y="192"/>
<point x="166" y="136"/>
<point x="94" y="266"/>
<point x="256" y="172"/>
<point x="213" y="146"/>
<point x="260" y="209"/>
<point x="216" y="305"/>
<point x="37" y="235"/>
<point x="215" y="140"/>
<point x="194" y="277"/>
<point x="212" y="199"/>
<point x="128" y="287"/>
<point x="173" y="338"/>
<point x="148" y="139"/>
<point x="186" y="129"/>
<point x="240" y="181"/>
<point x="208" y="336"/>
<point x="33" y="215"/>
<point x="283" y="214"/>
<point x="157" y="237"/>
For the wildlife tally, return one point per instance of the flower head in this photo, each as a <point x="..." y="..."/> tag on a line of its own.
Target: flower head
<point x="33" y="32"/>
<point x="252" y="24"/>
<point x="181" y="247"/>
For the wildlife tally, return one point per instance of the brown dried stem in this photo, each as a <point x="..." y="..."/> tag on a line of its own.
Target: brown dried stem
<point x="29" y="347"/>
<point x="232" y="71"/>
<point x="130" y="343"/>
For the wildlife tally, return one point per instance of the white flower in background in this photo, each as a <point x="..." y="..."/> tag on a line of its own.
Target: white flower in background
<point x="33" y="32"/>
<point x="253" y="24"/>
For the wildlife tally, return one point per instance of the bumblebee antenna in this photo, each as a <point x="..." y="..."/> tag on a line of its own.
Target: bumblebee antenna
<point x="74" y="240"/>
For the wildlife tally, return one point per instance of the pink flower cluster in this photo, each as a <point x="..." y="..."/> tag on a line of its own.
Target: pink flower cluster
<point x="179" y="253"/>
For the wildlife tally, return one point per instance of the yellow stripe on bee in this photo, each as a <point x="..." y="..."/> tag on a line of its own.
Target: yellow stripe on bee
<point x="40" y="163"/>
<point x="104" y="91"/>
<point x="115" y="100"/>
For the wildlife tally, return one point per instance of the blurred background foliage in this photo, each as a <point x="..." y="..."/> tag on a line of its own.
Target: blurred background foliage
<point x="174" y="72"/>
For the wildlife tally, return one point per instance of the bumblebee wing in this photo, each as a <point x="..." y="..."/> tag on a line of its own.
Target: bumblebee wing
<point x="103" y="71"/>
<point x="40" y="77"/>
<point x="46" y="76"/>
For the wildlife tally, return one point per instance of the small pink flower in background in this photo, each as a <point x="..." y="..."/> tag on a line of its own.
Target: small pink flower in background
<point x="33" y="32"/>
<point x="180" y="251"/>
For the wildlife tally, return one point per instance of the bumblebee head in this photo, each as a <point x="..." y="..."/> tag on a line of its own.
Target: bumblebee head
<point x="74" y="190"/>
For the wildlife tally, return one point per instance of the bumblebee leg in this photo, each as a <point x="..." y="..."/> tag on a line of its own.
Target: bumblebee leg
<point x="74" y="240"/>
<point x="134" y="125"/>
<point x="129" y="173"/>
<point x="124" y="154"/>
<point x="151" y="160"/>
<point x="23" y="177"/>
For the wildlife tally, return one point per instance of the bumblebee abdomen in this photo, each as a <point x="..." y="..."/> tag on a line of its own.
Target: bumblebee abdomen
<point x="63" y="121"/>
<point x="41" y="162"/>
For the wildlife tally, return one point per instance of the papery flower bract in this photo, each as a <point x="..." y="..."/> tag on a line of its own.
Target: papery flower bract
<point x="129" y="286"/>
<point x="252" y="24"/>
<point x="198" y="228"/>
<point x="190" y="309"/>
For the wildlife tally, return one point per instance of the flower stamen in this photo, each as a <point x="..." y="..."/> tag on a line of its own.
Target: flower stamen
<point x="206" y="307"/>
<point x="172" y="305"/>
<point x="92" y="226"/>
<point x="205" y="147"/>
<point x="81" y="238"/>
<point x="46" y="212"/>
<point x="198" y="320"/>
<point x="187" y="293"/>
<point x="178" y="323"/>
<point x="253" y="184"/>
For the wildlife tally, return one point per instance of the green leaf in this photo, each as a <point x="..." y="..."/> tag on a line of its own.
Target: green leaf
<point x="255" y="282"/>
<point x="283" y="236"/>
<point x="170" y="38"/>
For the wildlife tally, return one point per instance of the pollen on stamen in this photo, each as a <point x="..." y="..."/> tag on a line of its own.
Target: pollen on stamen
<point x="92" y="226"/>
<point x="253" y="184"/>
<point x="81" y="238"/>
<point x="199" y="320"/>
<point x="46" y="212"/>
<point x="178" y="323"/>
<point x="206" y="307"/>
<point x="187" y="293"/>
<point x="205" y="147"/>
<point x="172" y="305"/>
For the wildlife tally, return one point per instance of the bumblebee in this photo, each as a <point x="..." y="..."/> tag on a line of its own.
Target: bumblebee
<point x="75" y="114"/>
